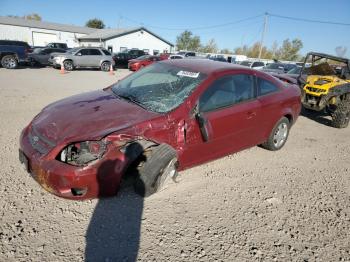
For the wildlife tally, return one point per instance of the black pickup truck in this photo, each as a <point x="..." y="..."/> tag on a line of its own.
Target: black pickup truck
<point x="13" y="53"/>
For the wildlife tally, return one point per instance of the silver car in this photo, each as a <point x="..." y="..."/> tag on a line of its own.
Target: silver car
<point x="81" y="57"/>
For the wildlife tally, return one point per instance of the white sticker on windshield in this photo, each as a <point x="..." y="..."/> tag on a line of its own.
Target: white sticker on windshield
<point x="188" y="74"/>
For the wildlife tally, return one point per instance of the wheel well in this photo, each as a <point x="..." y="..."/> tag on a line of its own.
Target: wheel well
<point x="7" y="53"/>
<point x="290" y="118"/>
<point x="105" y="61"/>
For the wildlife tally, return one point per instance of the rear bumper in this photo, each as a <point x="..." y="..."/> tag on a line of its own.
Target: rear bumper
<point x="98" y="179"/>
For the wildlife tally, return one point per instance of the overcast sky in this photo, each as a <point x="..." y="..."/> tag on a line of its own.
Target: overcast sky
<point x="170" y="18"/>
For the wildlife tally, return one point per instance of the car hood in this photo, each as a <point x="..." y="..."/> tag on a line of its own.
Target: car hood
<point x="88" y="116"/>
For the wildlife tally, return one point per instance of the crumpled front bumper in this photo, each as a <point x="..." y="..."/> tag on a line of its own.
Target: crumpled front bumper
<point x="97" y="179"/>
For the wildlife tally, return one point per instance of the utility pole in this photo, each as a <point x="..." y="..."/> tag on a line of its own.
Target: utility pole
<point x="263" y="34"/>
<point x="119" y="21"/>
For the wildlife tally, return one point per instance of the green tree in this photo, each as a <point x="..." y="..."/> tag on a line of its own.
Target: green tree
<point x="290" y="49"/>
<point x="95" y="23"/>
<point x="33" y="16"/>
<point x="226" y="51"/>
<point x="187" y="41"/>
<point x="210" y="47"/>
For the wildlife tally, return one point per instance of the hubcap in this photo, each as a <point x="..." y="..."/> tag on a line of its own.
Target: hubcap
<point x="105" y="66"/>
<point x="280" y="135"/>
<point x="10" y="63"/>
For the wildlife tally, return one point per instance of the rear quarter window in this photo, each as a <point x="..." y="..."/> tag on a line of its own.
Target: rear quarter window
<point x="266" y="87"/>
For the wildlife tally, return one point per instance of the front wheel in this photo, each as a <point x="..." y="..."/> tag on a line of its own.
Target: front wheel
<point x="9" y="62"/>
<point x="105" y="66"/>
<point x="159" y="165"/>
<point x="278" y="136"/>
<point x="68" y="65"/>
<point x="341" y="115"/>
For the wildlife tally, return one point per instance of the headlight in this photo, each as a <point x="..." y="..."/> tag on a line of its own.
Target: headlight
<point x="80" y="154"/>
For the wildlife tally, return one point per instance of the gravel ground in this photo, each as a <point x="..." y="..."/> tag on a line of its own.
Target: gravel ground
<point x="256" y="205"/>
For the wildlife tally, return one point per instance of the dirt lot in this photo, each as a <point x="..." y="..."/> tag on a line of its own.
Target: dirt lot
<point x="289" y="205"/>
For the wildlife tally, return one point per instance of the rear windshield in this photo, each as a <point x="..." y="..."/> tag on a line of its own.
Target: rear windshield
<point x="159" y="87"/>
<point x="275" y="66"/>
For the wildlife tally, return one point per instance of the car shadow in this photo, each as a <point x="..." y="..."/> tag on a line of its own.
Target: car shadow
<point x="114" y="230"/>
<point x="320" y="117"/>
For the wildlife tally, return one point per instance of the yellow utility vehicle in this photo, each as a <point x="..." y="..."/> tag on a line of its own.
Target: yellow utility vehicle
<point x="326" y="86"/>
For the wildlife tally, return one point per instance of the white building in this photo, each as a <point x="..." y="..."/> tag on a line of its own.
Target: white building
<point x="39" y="33"/>
<point x="118" y="40"/>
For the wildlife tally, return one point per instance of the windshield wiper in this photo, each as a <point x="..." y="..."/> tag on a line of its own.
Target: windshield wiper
<point x="133" y="100"/>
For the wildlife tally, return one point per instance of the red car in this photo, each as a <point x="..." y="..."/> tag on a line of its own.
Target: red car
<point x="170" y="116"/>
<point x="142" y="61"/>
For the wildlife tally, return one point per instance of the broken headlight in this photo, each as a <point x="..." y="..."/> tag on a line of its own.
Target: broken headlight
<point x="80" y="154"/>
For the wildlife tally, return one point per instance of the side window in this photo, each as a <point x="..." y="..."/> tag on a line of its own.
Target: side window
<point x="106" y="52"/>
<point x="84" y="52"/>
<point x="95" y="52"/>
<point x="227" y="91"/>
<point x="265" y="87"/>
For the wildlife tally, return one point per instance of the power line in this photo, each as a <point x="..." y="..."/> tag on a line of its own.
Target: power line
<point x="308" y="20"/>
<point x="195" y="28"/>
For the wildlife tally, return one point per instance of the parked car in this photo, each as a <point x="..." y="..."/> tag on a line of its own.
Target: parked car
<point x="186" y="54"/>
<point x="122" y="58"/>
<point x="142" y="61"/>
<point x="40" y="56"/>
<point x="82" y="57"/>
<point x="170" y="116"/>
<point x="219" y="58"/>
<point x="175" y="57"/>
<point x="57" y="45"/>
<point x="253" y="64"/>
<point x="13" y="53"/>
<point x="278" y="67"/>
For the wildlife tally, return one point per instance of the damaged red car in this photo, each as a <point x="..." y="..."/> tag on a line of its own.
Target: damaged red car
<point x="167" y="117"/>
<point x="142" y="61"/>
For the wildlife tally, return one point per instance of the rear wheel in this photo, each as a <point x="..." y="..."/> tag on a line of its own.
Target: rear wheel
<point x="341" y="114"/>
<point x="278" y="136"/>
<point x="159" y="165"/>
<point x="9" y="62"/>
<point x="105" y="66"/>
<point x="68" y="65"/>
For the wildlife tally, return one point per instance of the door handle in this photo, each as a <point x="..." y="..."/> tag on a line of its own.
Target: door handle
<point x="250" y="115"/>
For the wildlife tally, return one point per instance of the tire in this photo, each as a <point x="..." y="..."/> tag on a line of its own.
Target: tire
<point x="160" y="163"/>
<point x="341" y="115"/>
<point x="68" y="65"/>
<point x="9" y="62"/>
<point x="278" y="136"/>
<point x="105" y="66"/>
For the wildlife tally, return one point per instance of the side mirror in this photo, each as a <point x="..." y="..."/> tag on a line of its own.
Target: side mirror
<point x="202" y="123"/>
<point x="78" y="54"/>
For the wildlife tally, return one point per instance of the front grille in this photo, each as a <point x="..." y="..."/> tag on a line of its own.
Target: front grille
<point x="315" y="90"/>
<point x="40" y="143"/>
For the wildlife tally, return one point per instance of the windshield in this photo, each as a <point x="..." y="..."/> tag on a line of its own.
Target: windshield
<point x="159" y="87"/>
<point x="295" y="70"/>
<point x="274" y="66"/>
<point x="72" y="51"/>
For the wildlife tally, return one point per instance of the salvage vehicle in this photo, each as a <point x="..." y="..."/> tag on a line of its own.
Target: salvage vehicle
<point x="326" y="89"/>
<point x="40" y="56"/>
<point x="167" y="117"/>
<point x="81" y="57"/>
<point x="142" y="61"/>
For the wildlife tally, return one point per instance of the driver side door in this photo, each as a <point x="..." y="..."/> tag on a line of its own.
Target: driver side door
<point x="226" y="121"/>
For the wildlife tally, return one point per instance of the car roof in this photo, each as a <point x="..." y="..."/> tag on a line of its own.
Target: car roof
<point x="205" y="66"/>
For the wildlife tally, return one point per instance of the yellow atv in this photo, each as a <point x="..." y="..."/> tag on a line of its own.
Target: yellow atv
<point x="326" y="86"/>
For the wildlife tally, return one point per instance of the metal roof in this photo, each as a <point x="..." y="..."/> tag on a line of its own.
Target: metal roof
<point x="45" y="25"/>
<point x="105" y="34"/>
